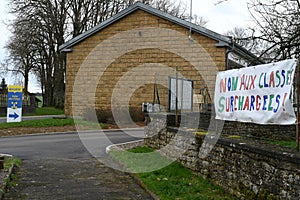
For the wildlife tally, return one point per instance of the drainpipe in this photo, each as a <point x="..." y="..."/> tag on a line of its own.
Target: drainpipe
<point x="227" y="54"/>
<point x="241" y="54"/>
<point x="227" y="59"/>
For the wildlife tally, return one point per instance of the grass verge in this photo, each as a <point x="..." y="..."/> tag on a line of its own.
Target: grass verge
<point x="42" y="111"/>
<point x="52" y="123"/>
<point x="284" y="143"/>
<point x="9" y="161"/>
<point x="87" y="125"/>
<point x="49" y="111"/>
<point x="39" y="123"/>
<point x="46" y="111"/>
<point x="140" y="159"/>
<point x="174" y="181"/>
<point x="9" y="181"/>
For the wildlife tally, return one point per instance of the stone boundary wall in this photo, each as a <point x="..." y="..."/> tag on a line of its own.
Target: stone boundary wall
<point x="246" y="168"/>
<point x="280" y="132"/>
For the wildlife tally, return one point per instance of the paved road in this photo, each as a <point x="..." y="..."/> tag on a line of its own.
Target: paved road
<point x="67" y="145"/>
<point x="58" y="166"/>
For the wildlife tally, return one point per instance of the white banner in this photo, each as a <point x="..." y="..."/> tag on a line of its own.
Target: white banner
<point x="258" y="94"/>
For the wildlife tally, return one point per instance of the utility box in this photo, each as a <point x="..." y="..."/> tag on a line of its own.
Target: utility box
<point x="150" y="107"/>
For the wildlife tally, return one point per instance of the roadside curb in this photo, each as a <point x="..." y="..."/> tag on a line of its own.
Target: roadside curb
<point x="6" y="178"/>
<point x="40" y="134"/>
<point x="129" y="145"/>
<point x="140" y="183"/>
<point x="124" y="146"/>
<point x="39" y="117"/>
<point x="123" y="129"/>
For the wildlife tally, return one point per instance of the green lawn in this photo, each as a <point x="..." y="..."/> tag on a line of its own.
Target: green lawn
<point x="46" y="111"/>
<point x="53" y="122"/>
<point x="174" y="181"/>
<point x="285" y="143"/>
<point x="39" y="123"/>
<point x="8" y="161"/>
<point x="42" y="111"/>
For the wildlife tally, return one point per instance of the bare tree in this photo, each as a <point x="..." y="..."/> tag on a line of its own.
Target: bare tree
<point x="200" y="21"/>
<point x="168" y="6"/>
<point x="220" y="1"/>
<point x="41" y="26"/>
<point x="245" y="38"/>
<point x="45" y="24"/>
<point x="21" y="52"/>
<point x="277" y="27"/>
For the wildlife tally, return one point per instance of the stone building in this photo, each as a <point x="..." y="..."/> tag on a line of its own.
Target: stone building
<point x="119" y="62"/>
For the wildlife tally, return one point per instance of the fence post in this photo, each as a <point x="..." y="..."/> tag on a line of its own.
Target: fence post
<point x="298" y="102"/>
<point x="176" y="100"/>
<point x="1" y="162"/>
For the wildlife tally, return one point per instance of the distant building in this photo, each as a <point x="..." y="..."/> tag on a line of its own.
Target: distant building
<point x="3" y="86"/>
<point x="29" y="100"/>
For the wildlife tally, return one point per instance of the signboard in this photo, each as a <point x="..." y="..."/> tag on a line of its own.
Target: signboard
<point x="184" y="91"/>
<point x="14" y="105"/>
<point x="258" y="94"/>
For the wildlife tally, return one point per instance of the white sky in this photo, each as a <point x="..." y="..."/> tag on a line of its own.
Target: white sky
<point x="221" y="18"/>
<point x="3" y="28"/>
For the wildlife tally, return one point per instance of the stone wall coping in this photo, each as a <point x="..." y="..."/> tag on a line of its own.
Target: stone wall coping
<point x="253" y="146"/>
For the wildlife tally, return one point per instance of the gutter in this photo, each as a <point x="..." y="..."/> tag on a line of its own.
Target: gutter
<point x="235" y="48"/>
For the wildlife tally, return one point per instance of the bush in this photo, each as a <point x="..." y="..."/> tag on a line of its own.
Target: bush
<point x="106" y="116"/>
<point x="136" y="114"/>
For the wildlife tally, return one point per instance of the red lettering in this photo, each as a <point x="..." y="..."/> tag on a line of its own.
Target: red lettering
<point x="285" y="94"/>
<point x="223" y="85"/>
<point x="236" y="98"/>
<point x="246" y="105"/>
<point x="244" y="82"/>
<point x="227" y="104"/>
<point x="272" y="82"/>
<point x="252" y="86"/>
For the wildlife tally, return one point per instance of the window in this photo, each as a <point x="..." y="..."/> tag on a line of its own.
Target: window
<point x="185" y="94"/>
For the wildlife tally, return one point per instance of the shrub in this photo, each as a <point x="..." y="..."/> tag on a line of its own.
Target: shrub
<point x="106" y="116"/>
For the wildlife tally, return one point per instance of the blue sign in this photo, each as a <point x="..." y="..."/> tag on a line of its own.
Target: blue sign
<point x="14" y="104"/>
<point x="14" y="116"/>
<point x="14" y="100"/>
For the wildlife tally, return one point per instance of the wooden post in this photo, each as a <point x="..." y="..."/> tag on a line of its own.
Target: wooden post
<point x="176" y="99"/>
<point x="298" y="102"/>
<point x="1" y="162"/>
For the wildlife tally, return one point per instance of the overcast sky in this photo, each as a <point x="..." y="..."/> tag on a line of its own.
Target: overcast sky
<point x="3" y="29"/>
<point x="221" y="18"/>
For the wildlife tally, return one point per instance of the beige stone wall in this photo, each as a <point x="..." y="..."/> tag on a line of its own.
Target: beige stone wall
<point x="137" y="65"/>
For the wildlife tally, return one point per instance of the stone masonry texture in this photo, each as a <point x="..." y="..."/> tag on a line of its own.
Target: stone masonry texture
<point x="90" y="61"/>
<point x="247" y="168"/>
